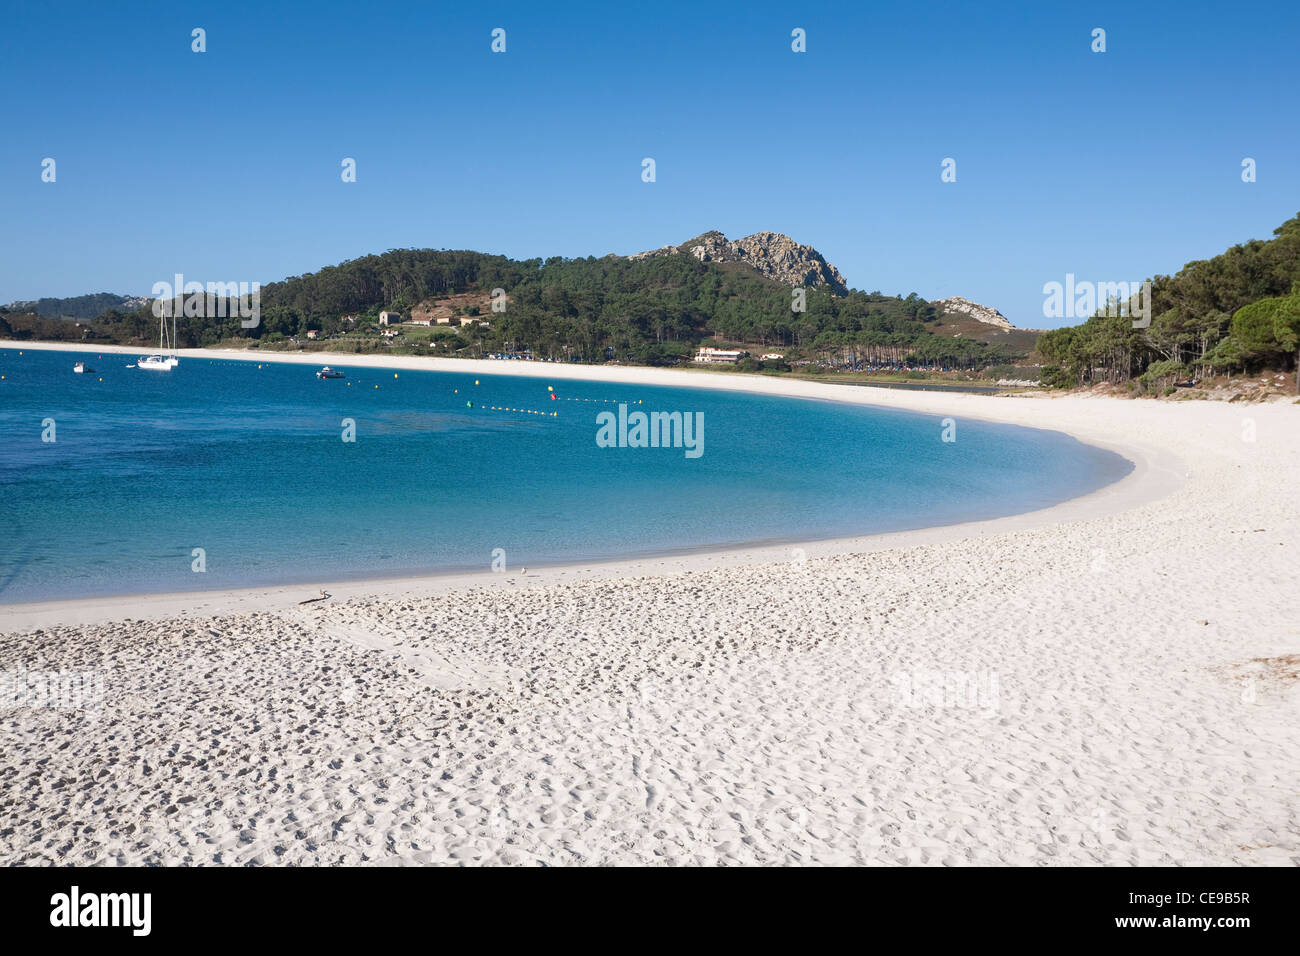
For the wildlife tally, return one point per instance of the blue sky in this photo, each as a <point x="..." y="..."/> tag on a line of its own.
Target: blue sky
<point x="226" y="165"/>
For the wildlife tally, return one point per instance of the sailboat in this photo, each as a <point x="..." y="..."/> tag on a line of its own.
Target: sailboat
<point x="166" y="360"/>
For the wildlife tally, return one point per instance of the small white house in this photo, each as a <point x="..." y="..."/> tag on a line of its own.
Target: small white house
<point x="389" y="318"/>
<point x="720" y="356"/>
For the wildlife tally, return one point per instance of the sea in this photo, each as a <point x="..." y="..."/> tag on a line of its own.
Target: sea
<point x="225" y="473"/>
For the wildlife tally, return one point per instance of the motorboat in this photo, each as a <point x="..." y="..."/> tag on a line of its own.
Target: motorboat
<point x="328" y="372"/>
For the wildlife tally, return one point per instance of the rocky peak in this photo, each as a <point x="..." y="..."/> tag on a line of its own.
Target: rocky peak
<point x="980" y="313"/>
<point x="771" y="254"/>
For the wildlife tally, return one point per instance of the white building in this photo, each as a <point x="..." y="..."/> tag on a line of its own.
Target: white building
<point x="720" y="356"/>
<point x="386" y="318"/>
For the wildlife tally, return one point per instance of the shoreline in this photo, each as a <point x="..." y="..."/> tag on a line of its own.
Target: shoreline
<point x="1147" y="482"/>
<point x="614" y="374"/>
<point x="1110" y="681"/>
<point x="1154" y="475"/>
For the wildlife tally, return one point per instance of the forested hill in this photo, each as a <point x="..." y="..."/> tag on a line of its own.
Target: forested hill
<point x="1238" y="311"/>
<point x="78" y="307"/>
<point x="653" y="310"/>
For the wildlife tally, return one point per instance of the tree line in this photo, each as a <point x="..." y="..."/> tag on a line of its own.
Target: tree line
<point x="1236" y="312"/>
<point x="650" y="311"/>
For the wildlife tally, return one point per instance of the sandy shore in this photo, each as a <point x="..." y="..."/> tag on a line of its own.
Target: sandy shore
<point x="1110" y="681"/>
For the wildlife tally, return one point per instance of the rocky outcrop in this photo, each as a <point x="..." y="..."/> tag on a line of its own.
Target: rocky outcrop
<point x="980" y="313"/>
<point x="771" y="254"/>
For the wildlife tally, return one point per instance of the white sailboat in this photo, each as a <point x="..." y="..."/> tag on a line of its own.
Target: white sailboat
<point x="166" y="359"/>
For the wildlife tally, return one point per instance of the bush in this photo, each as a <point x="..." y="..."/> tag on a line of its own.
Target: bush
<point x="1160" y="375"/>
<point x="1053" y="376"/>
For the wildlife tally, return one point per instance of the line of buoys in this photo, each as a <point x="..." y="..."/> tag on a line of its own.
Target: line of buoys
<point x="604" y="401"/>
<point x="518" y="411"/>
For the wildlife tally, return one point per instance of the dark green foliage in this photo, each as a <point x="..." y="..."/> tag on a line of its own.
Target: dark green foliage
<point x="652" y="311"/>
<point x="1221" y="314"/>
<point x="1160" y="375"/>
<point x="1053" y="376"/>
<point x="78" y="307"/>
<point x="1270" y="329"/>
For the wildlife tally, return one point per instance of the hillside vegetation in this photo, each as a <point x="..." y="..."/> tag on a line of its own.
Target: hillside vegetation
<point x="655" y="310"/>
<point x="1236" y="312"/>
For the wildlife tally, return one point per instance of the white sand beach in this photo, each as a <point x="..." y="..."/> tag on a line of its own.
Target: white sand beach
<point x="1115" y="680"/>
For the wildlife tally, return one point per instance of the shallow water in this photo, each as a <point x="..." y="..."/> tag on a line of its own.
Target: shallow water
<point x="248" y="464"/>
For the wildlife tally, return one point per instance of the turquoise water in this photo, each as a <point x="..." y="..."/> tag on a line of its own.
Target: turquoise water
<point x="249" y="464"/>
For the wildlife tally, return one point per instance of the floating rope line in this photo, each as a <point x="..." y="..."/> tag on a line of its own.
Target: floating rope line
<point x="520" y="411"/>
<point x="602" y="401"/>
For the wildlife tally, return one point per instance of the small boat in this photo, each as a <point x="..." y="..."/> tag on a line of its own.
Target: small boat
<point x="80" y="368"/>
<point x="328" y="372"/>
<point x="159" y="363"/>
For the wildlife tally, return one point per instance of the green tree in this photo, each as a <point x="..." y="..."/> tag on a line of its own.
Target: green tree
<point x="1270" y="327"/>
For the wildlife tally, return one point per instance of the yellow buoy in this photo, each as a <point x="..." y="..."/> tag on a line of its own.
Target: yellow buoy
<point x="394" y="375"/>
<point x="475" y="380"/>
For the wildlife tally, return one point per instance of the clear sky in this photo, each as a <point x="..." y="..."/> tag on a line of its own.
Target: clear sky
<point x="225" y="165"/>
